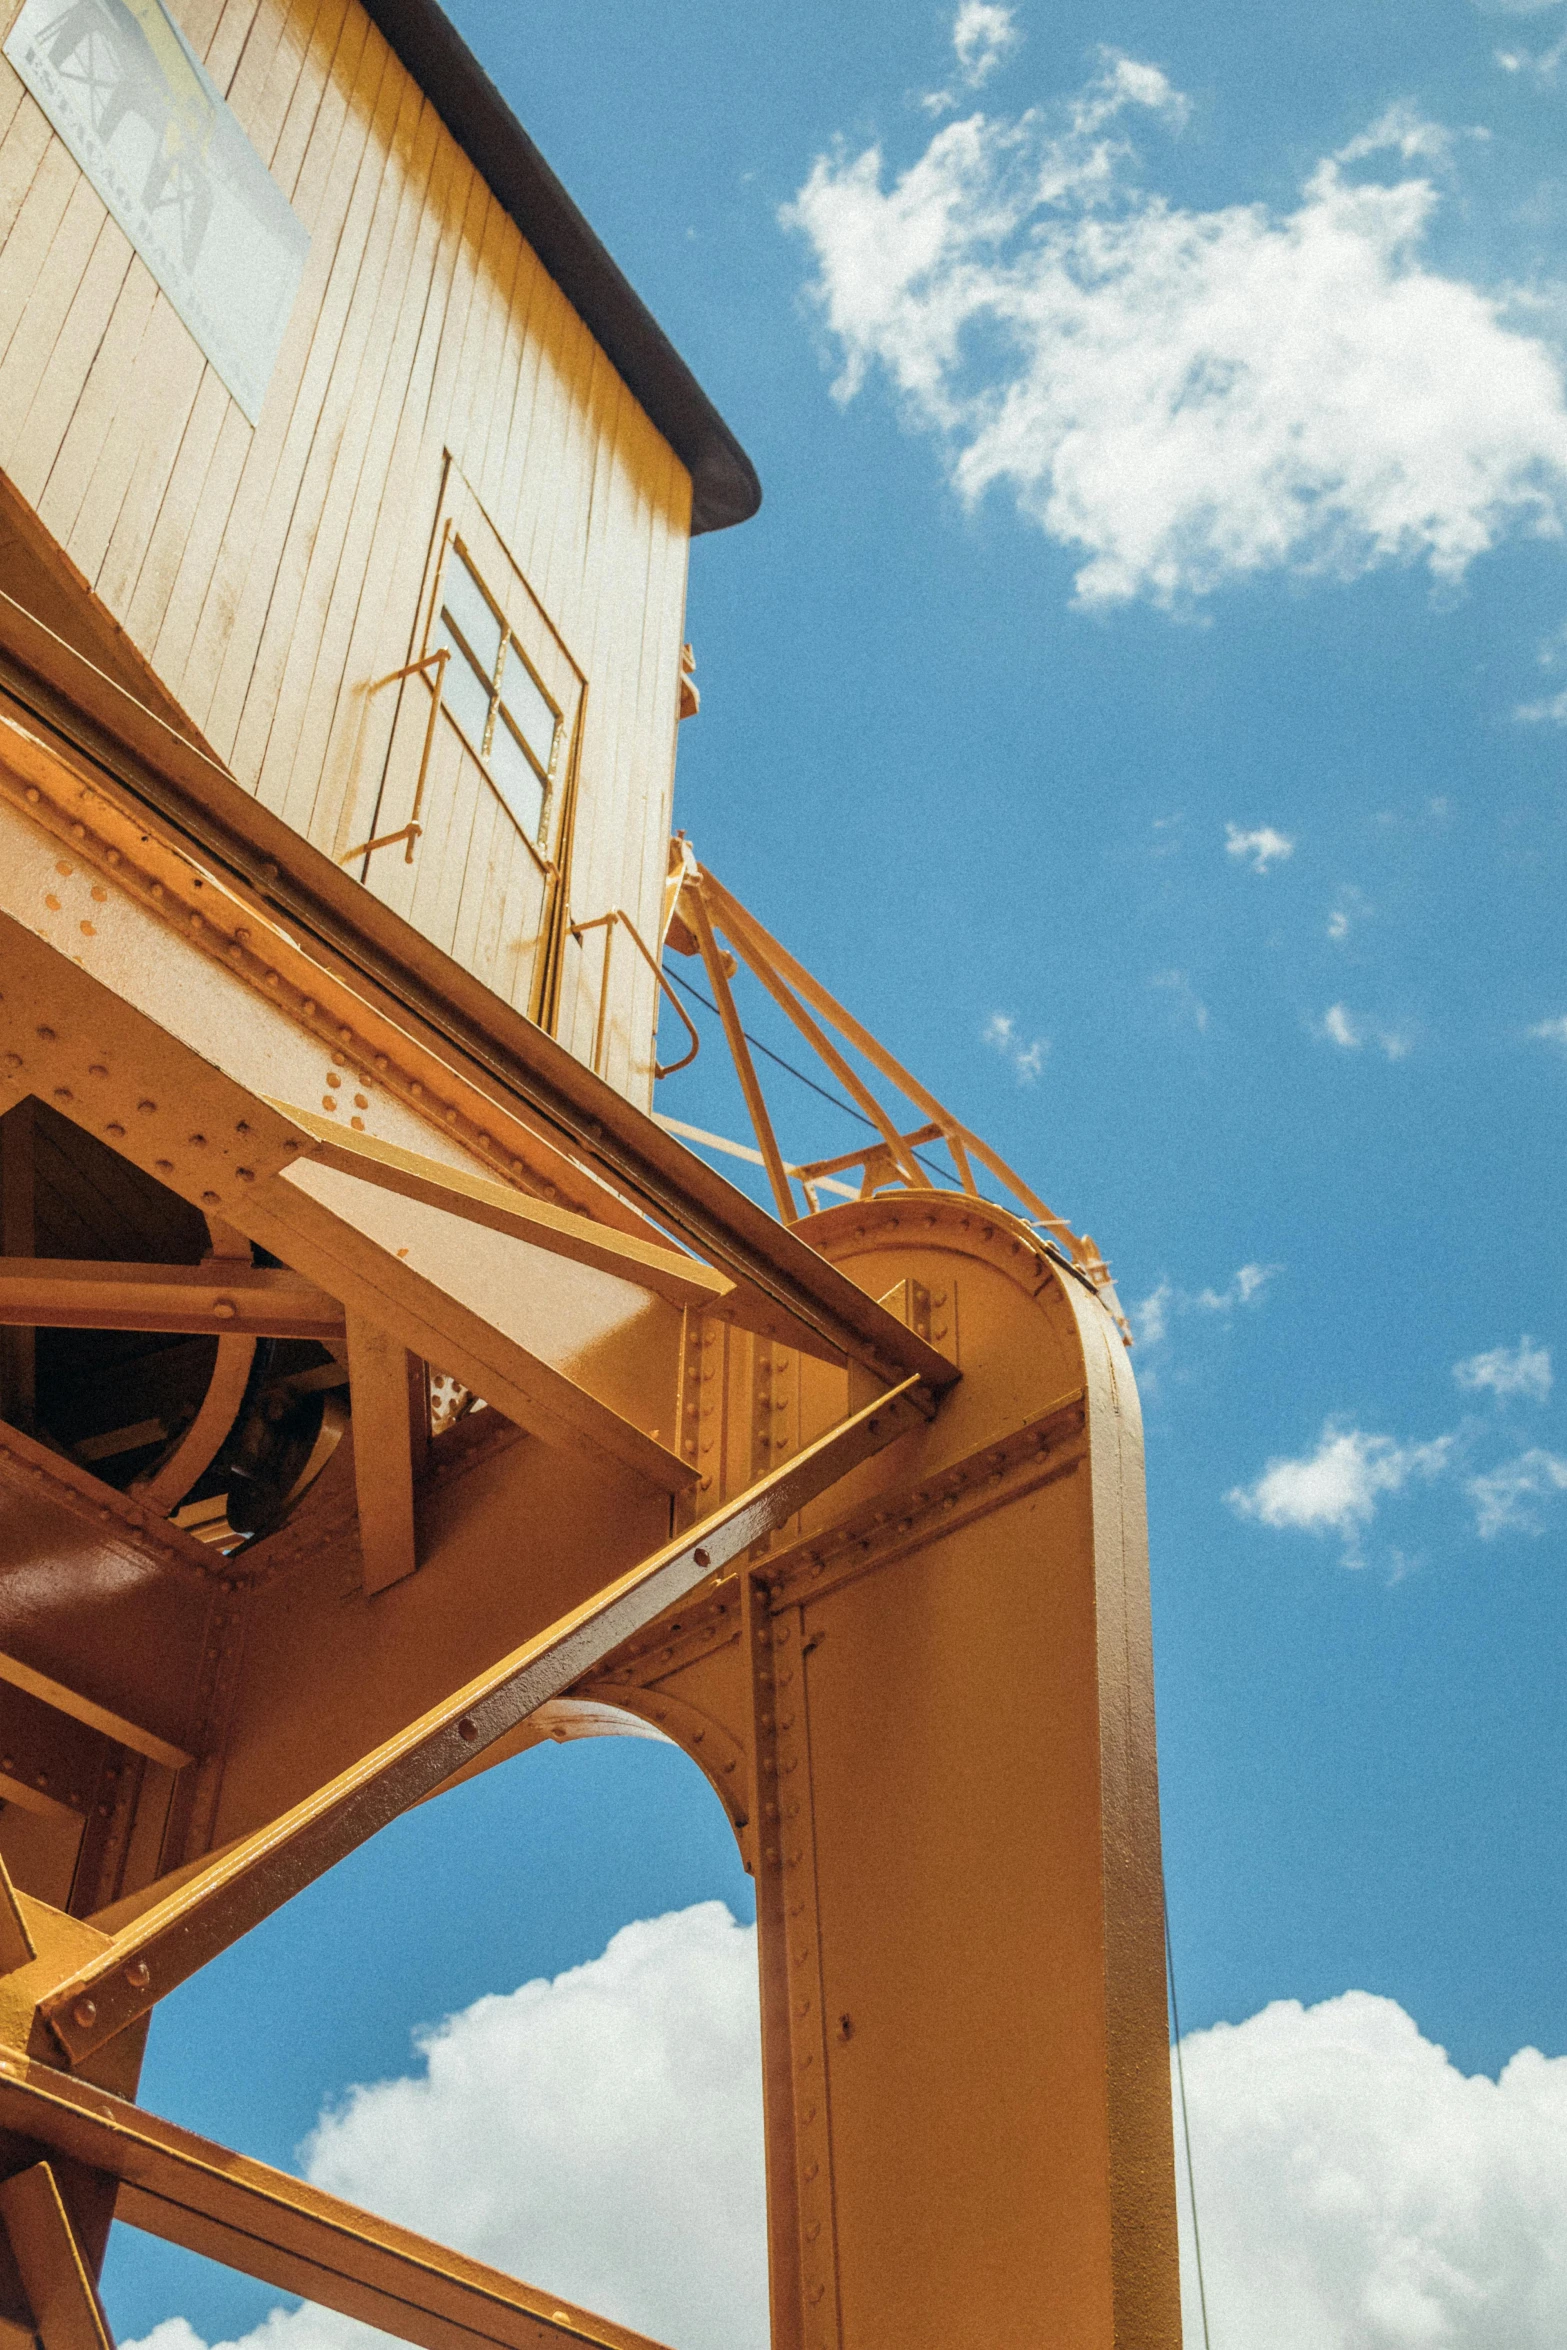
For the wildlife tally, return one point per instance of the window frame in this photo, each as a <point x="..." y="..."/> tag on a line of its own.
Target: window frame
<point x="511" y="648"/>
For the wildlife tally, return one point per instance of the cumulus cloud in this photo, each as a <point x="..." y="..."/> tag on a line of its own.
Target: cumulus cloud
<point x="1350" y="1030"/>
<point x="1524" y="1369"/>
<point x="1551" y="1031"/>
<point x="1186" y="399"/>
<point x="1002" y="1034"/>
<point x="1543" y="65"/>
<point x="1350" y="909"/>
<point x="1152" y="1318"/>
<point x="1507" y="1498"/>
<point x="599" y="2135"/>
<point x="1339" y="1487"/>
<point x="1261" y="848"/>
<point x="1336" y="1489"/>
<point x="982" y="35"/>
<point x="602" y="2135"/>
<point x="1248" y="1285"/>
<point x="306" y="2328"/>
<point x="1356" y="2191"/>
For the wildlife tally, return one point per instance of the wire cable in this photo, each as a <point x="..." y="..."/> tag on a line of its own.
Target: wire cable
<point x="789" y="1068"/>
<point x="1186" y="2131"/>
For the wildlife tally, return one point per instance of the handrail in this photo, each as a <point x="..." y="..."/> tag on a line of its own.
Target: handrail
<point x="700" y="908"/>
<point x="607" y="922"/>
<point x="411" y="831"/>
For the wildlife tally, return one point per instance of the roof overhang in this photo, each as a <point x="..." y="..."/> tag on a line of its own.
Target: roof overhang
<point x="724" y="485"/>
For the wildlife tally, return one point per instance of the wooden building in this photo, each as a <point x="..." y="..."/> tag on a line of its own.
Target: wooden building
<point x="382" y="1386"/>
<point x="469" y="409"/>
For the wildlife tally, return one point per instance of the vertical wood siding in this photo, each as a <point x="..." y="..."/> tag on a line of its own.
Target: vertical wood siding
<point x="271" y="575"/>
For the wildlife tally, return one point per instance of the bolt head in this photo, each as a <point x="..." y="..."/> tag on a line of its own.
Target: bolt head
<point x="85" y="2012"/>
<point x="138" y="1974"/>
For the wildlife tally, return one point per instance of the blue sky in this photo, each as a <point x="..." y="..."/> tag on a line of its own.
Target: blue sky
<point x="1142" y="697"/>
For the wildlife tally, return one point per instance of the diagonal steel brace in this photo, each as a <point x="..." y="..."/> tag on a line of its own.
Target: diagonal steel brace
<point x="256" y="1875"/>
<point x="282" y="2230"/>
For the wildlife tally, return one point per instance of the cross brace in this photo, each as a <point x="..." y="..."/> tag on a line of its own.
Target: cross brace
<point x="276" y="2228"/>
<point x="231" y="1299"/>
<point x="257" y="1874"/>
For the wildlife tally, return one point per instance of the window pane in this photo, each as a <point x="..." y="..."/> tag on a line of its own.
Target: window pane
<point x="463" y="691"/>
<point x="516" y="779"/>
<point x="464" y="599"/>
<point x="527" y="709"/>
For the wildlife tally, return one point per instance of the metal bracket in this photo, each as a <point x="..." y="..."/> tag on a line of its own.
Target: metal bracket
<point x="411" y="831"/>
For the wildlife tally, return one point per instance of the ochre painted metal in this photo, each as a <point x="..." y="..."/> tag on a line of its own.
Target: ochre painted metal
<point x="275" y="2227"/>
<point x="54" y="2276"/>
<point x="383" y="1389"/>
<point x="251" y="1878"/>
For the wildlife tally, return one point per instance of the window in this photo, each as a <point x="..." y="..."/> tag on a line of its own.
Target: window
<point x="493" y="696"/>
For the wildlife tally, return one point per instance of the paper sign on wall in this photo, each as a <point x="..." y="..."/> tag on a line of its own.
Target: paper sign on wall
<point x="126" y="92"/>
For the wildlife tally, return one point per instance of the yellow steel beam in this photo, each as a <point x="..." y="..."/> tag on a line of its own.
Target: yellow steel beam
<point x="382" y="1392"/>
<point x="49" y="2261"/>
<point x="771" y="960"/>
<point x="740" y="1053"/>
<point x="455" y="1298"/>
<point x="241" y="1301"/>
<point x="16" y="1943"/>
<point x="681" y="1279"/>
<point x="256" y="1875"/>
<point x="511" y="1078"/>
<point x="92" y="1715"/>
<point x="667" y="1272"/>
<point x="290" y="2235"/>
<point x="820" y="1043"/>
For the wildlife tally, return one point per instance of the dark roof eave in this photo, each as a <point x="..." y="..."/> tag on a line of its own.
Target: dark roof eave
<point x="724" y="486"/>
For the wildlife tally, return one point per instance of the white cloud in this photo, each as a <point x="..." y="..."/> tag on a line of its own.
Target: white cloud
<point x="1524" y="1369"/>
<point x="1505" y="1497"/>
<point x="1187" y="1001"/>
<point x="1404" y="132"/>
<point x="1152" y="1318"/>
<point x="1249" y="1283"/>
<point x="599" y="2136"/>
<point x="1543" y="64"/>
<point x="1351" y="908"/>
<point x="1551" y="1031"/>
<point x="1261" y="848"/>
<point x="982" y="35"/>
<point x="1002" y="1034"/>
<point x="307" y="2328"/>
<point x="1356" y="2191"/>
<point x="1185" y="398"/>
<point x="1336" y="1489"/>
<point x="1349" y="1030"/>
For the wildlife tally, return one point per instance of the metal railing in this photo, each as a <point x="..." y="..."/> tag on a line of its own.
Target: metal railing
<point x="698" y="913"/>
